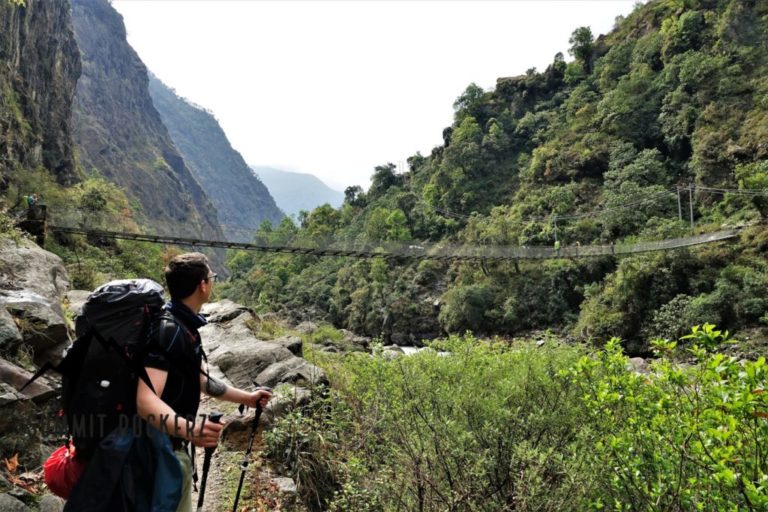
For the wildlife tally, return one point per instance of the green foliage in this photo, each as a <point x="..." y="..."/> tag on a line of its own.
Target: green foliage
<point x="706" y="336"/>
<point x="677" y="438"/>
<point x="485" y="428"/>
<point x="582" y="46"/>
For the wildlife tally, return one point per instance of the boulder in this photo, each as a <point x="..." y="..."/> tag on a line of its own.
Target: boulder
<point x="41" y="322"/>
<point x="51" y="503"/>
<point x="216" y="334"/>
<point x="638" y="364"/>
<point x="306" y="327"/>
<point x="10" y="337"/>
<point x="31" y="268"/>
<point x="232" y="346"/>
<point x="35" y="281"/>
<point x="22" y="494"/>
<point x="40" y="390"/>
<point x="292" y="343"/>
<point x="9" y="395"/>
<point x="10" y="504"/>
<point x="293" y="370"/>
<point x="285" y="485"/>
<point x="223" y="311"/>
<point x="352" y="338"/>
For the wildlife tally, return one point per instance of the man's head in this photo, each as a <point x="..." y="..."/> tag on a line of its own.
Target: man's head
<point x="189" y="277"/>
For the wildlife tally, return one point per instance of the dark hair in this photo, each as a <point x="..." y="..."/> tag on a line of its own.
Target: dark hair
<point x="184" y="273"/>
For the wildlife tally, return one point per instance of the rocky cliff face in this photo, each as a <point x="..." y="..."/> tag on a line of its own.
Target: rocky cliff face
<point x="120" y="134"/>
<point x="37" y="83"/>
<point x="241" y="200"/>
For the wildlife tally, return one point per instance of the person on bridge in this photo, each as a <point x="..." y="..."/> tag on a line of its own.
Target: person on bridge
<point x="175" y="370"/>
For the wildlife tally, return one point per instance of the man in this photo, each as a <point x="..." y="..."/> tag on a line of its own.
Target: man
<point x="174" y="368"/>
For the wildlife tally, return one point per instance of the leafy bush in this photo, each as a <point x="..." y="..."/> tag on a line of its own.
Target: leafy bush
<point x="486" y="428"/>
<point x="677" y="438"/>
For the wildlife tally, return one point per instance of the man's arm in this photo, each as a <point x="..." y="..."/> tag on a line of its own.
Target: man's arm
<point x="212" y="386"/>
<point x="160" y="415"/>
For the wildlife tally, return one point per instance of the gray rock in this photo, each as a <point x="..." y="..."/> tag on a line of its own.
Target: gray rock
<point x="306" y="327"/>
<point x="223" y="311"/>
<point x="17" y="377"/>
<point x="39" y="281"/>
<point x="51" y="503"/>
<point x="285" y="485"/>
<point x="74" y="300"/>
<point x="215" y="335"/>
<point x="361" y="341"/>
<point x="42" y="323"/>
<point x="10" y="504"/>
<point x="34" y="269"/>
<point x="293" y="370"/>
<point x="638" y="364"/>
<point x="10" y="337"/>
<point x="8" y="394"/>
<point x="292" y="343"/>
<point x="22" y="495"/>
<point x="244" y="359"/>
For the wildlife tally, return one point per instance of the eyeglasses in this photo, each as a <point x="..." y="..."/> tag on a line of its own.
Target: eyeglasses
<point x="212" y="277"/>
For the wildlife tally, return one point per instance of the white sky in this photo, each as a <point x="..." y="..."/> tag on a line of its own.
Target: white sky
<point x="334" y="88"/>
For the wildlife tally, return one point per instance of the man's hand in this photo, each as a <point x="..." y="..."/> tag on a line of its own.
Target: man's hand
<point x="205" y="434"/>
<point x="261" y="396"/>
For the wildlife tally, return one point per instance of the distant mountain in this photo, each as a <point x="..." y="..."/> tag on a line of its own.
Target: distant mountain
<point x="241" y="200"/>
<point x="295" y="191"/>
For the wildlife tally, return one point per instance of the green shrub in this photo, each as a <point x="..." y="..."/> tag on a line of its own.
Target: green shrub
<point x="488" y="427"/>
<point x="677" y="438"/>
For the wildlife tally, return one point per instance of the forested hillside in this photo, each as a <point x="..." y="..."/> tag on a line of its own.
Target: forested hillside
<point x="587" y="151"/>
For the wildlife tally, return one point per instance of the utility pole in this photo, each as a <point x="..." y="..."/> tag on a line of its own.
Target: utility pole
<point x="555" y="221"/>
<point x="679" y="206"/>
<point x="690" y="201"/>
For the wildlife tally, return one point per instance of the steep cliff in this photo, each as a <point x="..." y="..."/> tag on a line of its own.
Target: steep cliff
<point x="37" y="83"/>
<point x="120" y="134"/>
<point x="241" y="200"/>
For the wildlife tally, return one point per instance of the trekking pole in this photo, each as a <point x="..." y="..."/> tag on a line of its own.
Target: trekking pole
<point x="246" y="458"/>
<point x="215" y="418"/>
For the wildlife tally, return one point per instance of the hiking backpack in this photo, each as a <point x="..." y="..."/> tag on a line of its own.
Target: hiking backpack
<point x="100" y="370"/>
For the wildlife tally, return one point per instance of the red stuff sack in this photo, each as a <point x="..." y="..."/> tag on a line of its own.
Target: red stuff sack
<point x="62" y="471"/>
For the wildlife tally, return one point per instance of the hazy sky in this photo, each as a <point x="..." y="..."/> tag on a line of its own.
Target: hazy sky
<point x="334" y="88"/>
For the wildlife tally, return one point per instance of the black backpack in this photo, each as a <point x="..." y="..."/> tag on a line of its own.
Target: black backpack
<point x="100" y="371"/>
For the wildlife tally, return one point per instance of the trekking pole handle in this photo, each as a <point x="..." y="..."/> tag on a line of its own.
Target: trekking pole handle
<point x="214" y="417"/>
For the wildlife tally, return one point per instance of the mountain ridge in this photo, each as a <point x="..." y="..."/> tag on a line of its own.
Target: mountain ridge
<point x="297" y="191"/>
<point x="242" y="201"/>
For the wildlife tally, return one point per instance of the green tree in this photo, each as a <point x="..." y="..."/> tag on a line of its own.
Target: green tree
<point x="582" y="46"/>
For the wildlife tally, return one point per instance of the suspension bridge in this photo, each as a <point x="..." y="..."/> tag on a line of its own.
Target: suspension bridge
<point x="65" y="223"/>
<point x="422" y="251"/>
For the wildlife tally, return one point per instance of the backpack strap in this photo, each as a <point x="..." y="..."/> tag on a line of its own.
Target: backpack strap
<point x="168" y="327"/>
<point x="133" y="363"/>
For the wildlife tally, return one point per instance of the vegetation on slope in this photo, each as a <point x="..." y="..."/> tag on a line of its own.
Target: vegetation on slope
<point x="588" y="151"/>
